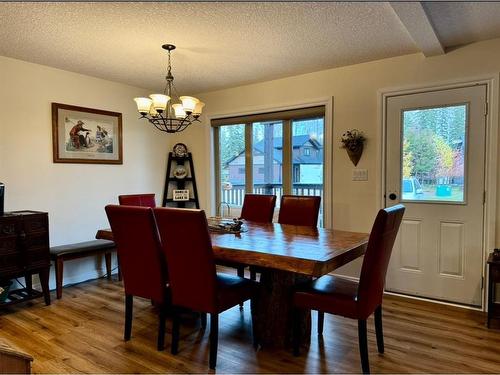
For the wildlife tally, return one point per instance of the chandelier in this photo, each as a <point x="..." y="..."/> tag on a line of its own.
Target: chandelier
<point x="168" y="112"/>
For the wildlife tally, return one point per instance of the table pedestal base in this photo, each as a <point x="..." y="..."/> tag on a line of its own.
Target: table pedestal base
<point x="272" y="310"/>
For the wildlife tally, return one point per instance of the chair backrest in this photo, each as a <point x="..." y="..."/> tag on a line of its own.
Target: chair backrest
<point x="138" y="245"/>
<point x="143" y="200"/>
<point x="299" y="210"/>
<point x="188" y="250"/>
<point x="258" y="207"/>
<point x="377" y="255"/>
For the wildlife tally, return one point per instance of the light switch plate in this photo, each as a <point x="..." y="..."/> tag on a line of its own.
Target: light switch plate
<point x="360" y="174"/>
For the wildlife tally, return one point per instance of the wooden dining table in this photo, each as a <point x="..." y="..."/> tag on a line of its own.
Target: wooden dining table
<point x="286" y="255"/>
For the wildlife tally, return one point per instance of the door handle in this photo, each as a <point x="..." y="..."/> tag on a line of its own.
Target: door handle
<point x="392" y="196"/>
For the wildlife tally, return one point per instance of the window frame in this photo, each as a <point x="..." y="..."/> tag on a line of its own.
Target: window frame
<point x="286" y="117"/>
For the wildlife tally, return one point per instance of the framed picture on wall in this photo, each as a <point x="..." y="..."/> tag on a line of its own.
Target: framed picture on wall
<point x="86" y="135"/>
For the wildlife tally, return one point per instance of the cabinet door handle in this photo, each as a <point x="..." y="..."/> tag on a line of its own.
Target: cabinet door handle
<point x="8" y="229"/>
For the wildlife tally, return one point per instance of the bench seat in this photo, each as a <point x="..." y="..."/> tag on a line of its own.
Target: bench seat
<point x="80" y="250"/>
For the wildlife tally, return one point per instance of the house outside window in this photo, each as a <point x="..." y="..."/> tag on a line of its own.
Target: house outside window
<point x="274" y="153"/>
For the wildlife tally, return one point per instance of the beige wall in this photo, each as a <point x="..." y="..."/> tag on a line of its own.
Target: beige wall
<point x="73" y="194"/>
<point x="355" y="91"/>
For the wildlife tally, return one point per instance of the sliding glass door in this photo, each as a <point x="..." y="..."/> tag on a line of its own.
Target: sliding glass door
<point x="273" y="153"/>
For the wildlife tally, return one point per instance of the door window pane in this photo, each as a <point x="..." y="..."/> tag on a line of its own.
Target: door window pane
<point x="433" y="154"/>
<point x="308" y="158"/>
<point x="267" y="155"/>
<point x="232" y="167"/>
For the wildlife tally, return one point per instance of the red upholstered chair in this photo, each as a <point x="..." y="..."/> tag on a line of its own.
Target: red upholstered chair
<point x="143" y="200"/>
<point x="299" y="210"/>
<point x="258" y="208"/>
<point x="141" y="260"/>
<point x="357" y="300"/>
<point x="296" y="210"/>
<point x="192" y="276"/>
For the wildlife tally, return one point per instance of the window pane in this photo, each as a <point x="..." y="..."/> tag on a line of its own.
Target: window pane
<point x="232" y="167"/>
<point x="433" y="154"/>
<point x="268" y="158"/>
<point x="308" y="158"/>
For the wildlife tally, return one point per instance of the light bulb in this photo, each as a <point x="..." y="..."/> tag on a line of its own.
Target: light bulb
<point x="188" y="103"/>
<point x="198" y="108"/>
<point x="159" y="101"/>
<point x="179" y="110"/>
<point x="143" y="105"/>
<point x="153" y="112"/>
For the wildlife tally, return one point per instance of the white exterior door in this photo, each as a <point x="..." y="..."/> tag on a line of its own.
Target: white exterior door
<point x="435" y="152"/>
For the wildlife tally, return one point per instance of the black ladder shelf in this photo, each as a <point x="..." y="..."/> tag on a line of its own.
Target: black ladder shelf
<point x="174" y="183"/>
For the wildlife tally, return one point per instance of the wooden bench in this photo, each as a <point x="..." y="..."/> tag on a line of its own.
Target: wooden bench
<point x="80" y="250"/>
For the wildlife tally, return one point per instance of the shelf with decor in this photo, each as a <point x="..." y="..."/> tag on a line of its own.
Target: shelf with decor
<point x="180" y="181"/>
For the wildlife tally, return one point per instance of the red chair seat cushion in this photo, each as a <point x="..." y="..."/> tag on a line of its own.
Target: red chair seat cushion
<point x="331" y="294"/>
<point x="232" y="290"/>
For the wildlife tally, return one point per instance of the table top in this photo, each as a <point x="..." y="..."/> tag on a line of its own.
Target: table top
<point x="304" y="250"/>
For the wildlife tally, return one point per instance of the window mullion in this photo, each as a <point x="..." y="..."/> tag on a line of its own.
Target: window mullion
<point x="248" y="158"/>
<point x="287" y="167"/>
<point x="218" y="181"/>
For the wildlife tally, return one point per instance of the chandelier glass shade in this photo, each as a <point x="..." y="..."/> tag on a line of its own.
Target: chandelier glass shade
<point x="168" y="112"/>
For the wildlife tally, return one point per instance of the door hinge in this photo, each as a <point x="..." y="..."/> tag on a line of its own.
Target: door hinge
<point x="486" y="108"/>
<point x="482" y="282"/>
<point x="484" y="197"/>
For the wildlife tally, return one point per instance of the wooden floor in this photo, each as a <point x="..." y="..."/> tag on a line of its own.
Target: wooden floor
<point x="83" y="332"/>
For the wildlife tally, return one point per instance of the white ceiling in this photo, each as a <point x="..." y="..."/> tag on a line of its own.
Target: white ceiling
<point x="227" y="44"/>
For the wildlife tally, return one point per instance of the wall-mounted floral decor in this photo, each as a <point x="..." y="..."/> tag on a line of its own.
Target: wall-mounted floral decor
<point x="353" y="141"/>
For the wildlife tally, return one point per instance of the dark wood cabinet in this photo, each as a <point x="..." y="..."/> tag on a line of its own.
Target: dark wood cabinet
<point x="493" y="281"/>
<point x="24" y="251"/>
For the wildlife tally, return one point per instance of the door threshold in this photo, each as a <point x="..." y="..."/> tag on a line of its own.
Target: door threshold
<point x="432" y="300"/>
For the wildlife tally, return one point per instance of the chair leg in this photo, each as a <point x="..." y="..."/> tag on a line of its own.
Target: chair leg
<point x="241" y="273"/>
<point x="203" y="318"/>
<point x="28" y="280"/>
<point x="321" y="320"/>
<point x="59" y="265"/>
<point x="363" y="346"/>
<point x="175" y="331"/>
<point x="253" y="275"/>
<point x="107" y="258"/>
<point x="129" y="303"/>
<point x="214" y="338"/>
<point x="161" y="327"/>
<point x="296" y="332"/>
<point x="119" y="268"/>
<point x="378" y="329"/>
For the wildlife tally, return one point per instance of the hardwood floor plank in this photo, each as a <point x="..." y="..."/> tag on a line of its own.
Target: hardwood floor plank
<point x="83" y="333"/>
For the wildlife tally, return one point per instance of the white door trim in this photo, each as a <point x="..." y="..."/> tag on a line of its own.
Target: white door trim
<point x="328" y="147"/>
<point x="489" y="213"/>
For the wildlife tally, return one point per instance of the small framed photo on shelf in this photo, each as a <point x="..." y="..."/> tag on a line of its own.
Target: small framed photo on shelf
<point x="86" y="135"/>
<point x="180" y="195"/>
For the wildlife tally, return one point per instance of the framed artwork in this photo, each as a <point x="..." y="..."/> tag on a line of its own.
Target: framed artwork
<point x="86" y="135"/>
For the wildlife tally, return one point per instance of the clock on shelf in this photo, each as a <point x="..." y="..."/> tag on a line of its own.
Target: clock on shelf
<point x="180" y="150"/>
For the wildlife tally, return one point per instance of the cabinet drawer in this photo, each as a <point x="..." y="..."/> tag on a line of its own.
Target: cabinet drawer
<point x="36" y="240"/>
<point x="10" y="263"/>
<point x="7" y="227"/>
<point x="8" y="245"/>
<point x="35" y="223"/>
<point x="38" y="257"/>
